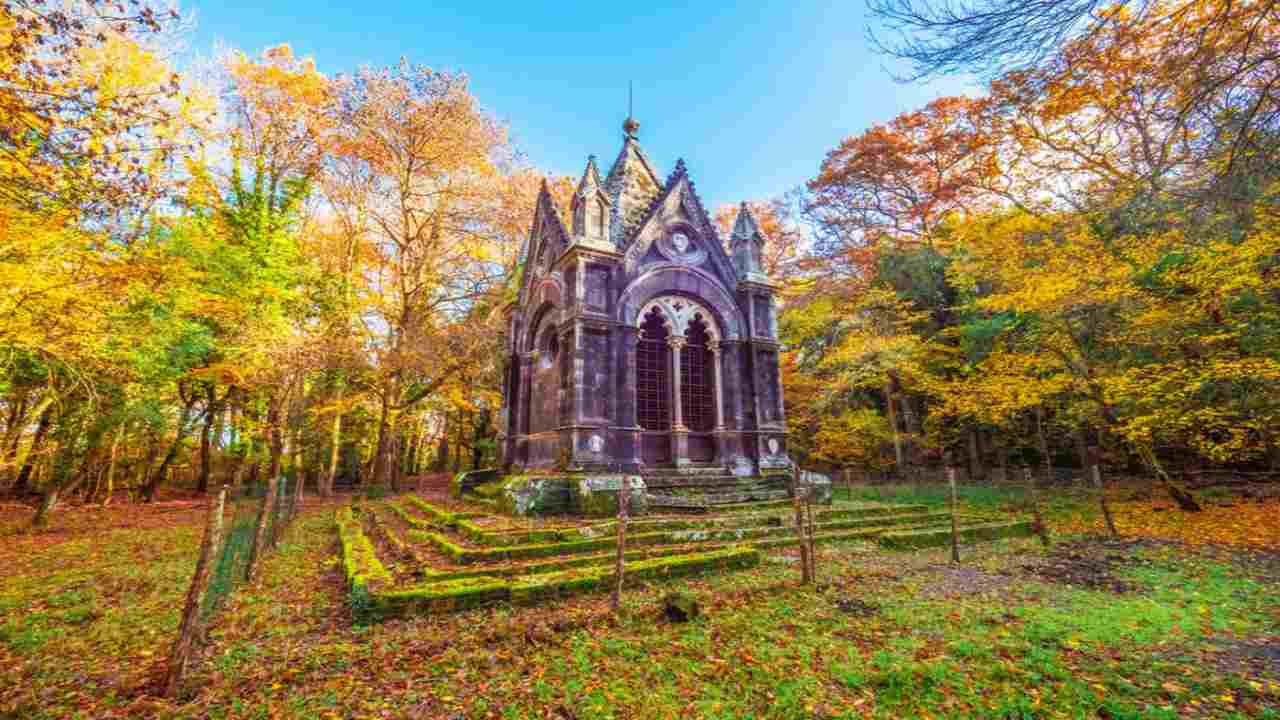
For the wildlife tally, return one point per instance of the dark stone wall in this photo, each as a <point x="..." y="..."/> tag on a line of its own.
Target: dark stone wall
<point x="580" y="408"/>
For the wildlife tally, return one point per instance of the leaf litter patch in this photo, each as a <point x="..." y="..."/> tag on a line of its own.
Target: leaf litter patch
<point x="947" y="580"/>
<point x="1092" y="565"/>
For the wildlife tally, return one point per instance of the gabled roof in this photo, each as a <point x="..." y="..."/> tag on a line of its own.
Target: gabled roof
<point x="697" y="213"/>
<point x="627" y="190"/>
<point x="546" y="215"/>
<point x="547" y="206"/>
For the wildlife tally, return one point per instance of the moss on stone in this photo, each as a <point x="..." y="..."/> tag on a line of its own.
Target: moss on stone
<point x="937" y="537"/>
<point x="436" y="514"/>
<point x="444" y="595"/>
<point x="364" y="573"/>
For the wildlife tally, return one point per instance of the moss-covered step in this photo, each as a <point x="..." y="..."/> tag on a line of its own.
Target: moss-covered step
<point x="465" y="555"/>
<point x="936" y="537"/>
<point x="601" y="558"/>
<point x="755" y="506"/>
<point x="364" y="573"/>
<point x="537" y="567"/>
<point x="736" y="520"/>
<point x="435" y="597"/>
<point x="461" y="522"/>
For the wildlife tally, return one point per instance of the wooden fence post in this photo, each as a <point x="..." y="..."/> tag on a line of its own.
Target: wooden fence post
<point x="955" y="525"/>
<point x="810" y="535"/>
<point x="805" y="567"/>
<point x="190" y="627"/>
<point x="624" y="504"/>
<point x="260" y="531"/>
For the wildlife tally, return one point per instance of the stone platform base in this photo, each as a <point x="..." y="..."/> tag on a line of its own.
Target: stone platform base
<point x="596" y="495"/>
<point x="586" y="495"/>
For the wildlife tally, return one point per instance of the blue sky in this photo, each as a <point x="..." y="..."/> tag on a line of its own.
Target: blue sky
<point x="752" y="96"/>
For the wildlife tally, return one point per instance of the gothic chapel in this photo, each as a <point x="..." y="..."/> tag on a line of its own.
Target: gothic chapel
<point x="639" y="342"/>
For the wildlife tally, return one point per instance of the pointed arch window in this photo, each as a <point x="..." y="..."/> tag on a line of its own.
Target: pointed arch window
<point x="697" y="394"/>
<point x="653" y="405"/>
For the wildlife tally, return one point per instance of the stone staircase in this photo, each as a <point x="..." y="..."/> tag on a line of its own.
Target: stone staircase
<point x="703" y="489"/>
<point x="408" y="556"/>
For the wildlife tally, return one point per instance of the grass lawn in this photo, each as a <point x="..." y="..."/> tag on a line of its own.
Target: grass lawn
<point x="1143" y="627"/>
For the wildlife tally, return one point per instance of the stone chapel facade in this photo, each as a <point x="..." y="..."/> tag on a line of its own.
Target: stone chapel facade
<point x="639" y="342"/>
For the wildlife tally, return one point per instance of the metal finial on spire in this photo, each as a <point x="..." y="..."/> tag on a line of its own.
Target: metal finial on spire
<point x="630" y="126"/>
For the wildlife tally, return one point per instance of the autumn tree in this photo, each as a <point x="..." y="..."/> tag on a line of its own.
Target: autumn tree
<point x="424" y="160"/>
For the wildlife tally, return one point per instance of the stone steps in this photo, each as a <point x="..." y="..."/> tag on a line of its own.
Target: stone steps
<point x="706" y="501"/>
<point x="482" y="567"/>
<point x="697" y="481"/>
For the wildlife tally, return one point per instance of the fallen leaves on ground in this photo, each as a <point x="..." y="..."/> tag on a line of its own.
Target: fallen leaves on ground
<point x="1242" y="523"/>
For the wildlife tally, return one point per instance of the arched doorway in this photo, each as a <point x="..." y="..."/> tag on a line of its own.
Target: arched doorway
<point x="677" y="382"/>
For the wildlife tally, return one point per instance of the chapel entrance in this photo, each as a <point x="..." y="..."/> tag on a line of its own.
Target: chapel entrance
<point x="677" y="384"/>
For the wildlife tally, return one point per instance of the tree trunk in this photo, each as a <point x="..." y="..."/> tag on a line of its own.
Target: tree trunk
<point x="442" y="452"/>
<point x="1183" y="497"/>
<point x="64" y="480"/>
<point x="1033" y="495"/>
<point x="893" y="424"/>
<point x="976" y="470"/>
<point x="955" y="523"/>
<point x="258" y="547"/>
<point x="189" y="630"/>
<point x="1045" y="461"/>
<point x="395" y="467"/>
<point x="298" y="470"/>
<point x="275" y="408"/>
<point x="1096" y="471"/>
<point x="109" y="480"/>
<point x="153" y="482"/>
<point x="17" y="414"/>
<point x="144" y="468"/>
<point x="23" y="484"/>
<point x="1002" y="458"/>
<point x="380" y="471"/>
<point x="18" y="418"/>
<point x="1082" y="451"/>
<point x="335" y="447"/>
<point x="206" y="440"/>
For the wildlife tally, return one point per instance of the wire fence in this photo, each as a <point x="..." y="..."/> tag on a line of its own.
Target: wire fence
<point x="242" y="526"/>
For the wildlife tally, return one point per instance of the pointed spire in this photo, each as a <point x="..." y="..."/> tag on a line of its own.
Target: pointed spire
<point x="744" y="227"/>
<point x="590" y="179"/>
<point x="747" y="244"/>
<point x="590" y="207"/>
<point x="677" y="172"/>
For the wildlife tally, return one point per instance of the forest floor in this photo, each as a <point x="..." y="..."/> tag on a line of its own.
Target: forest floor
<point x="1177" y="619"/>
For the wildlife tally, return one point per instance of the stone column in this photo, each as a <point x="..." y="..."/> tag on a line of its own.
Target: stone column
<point x="714" y="347"/>
<point x="677" y="412"/>
<point x="679" y="433"/>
